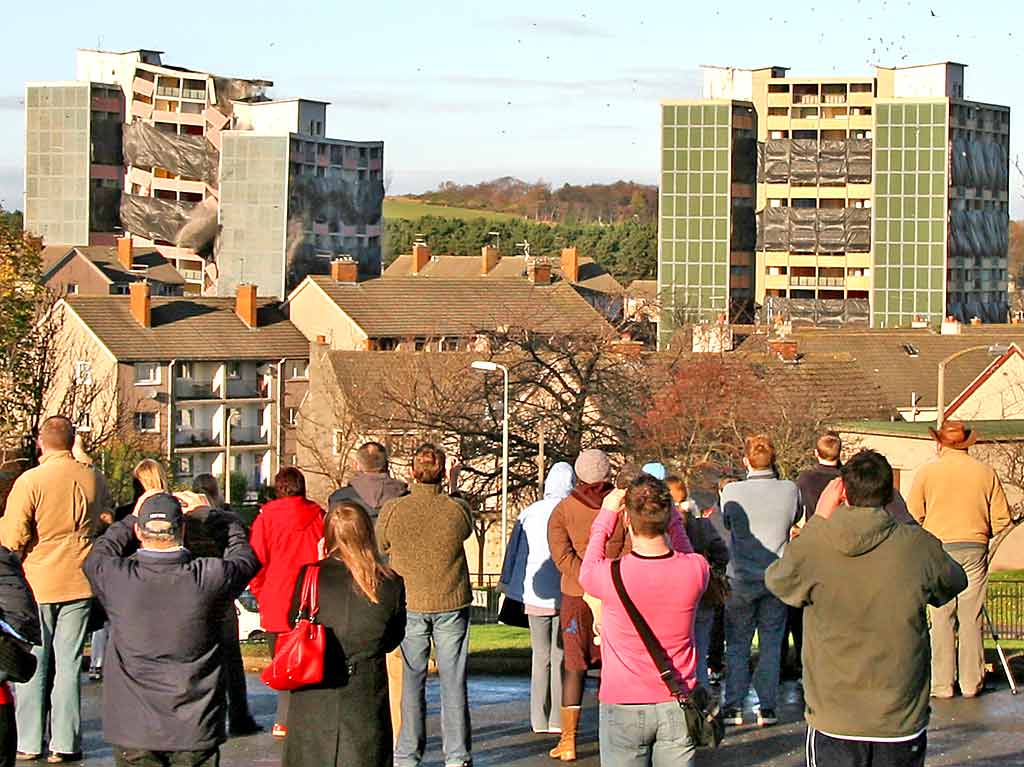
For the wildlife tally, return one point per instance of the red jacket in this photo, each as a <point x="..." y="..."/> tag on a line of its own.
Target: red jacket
<point x="285" y="536"/>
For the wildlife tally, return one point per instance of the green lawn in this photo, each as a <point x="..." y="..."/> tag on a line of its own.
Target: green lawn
<point x="403" y="207"/>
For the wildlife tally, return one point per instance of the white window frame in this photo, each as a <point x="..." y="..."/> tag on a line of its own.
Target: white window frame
<point x="233" y="370"/>
<point x="155" y="381"/>
<point x="186" y="466"/>
<point x="156" y="422"/>
<point x="83" y="373"/>
<point x="292" y="416"/>
<point x="298" y="370"/>
<point x="84" y="424"/>
<point x="186" y="371"/>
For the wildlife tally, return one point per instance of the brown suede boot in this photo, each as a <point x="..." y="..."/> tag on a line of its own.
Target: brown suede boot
<point x="566" y="748"/>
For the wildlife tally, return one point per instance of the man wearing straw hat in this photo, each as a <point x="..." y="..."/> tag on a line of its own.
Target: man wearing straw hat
<point x="960" y="501"/>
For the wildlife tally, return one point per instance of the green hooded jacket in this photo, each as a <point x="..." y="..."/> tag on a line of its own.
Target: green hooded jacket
<point x="864" y="581"/>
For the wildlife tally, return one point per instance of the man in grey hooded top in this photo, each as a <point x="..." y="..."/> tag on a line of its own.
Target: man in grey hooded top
<point x="530" y="576"/>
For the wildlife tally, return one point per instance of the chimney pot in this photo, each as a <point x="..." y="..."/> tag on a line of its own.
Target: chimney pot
<point x="141" y="304"/>
<point x="489" y="258"/>
<point x="420" y="256"/>
<point x="540" y="272"/>
<point x="245" y="304"/>
<point x="124" y="252"/>
<point x="570" y="264"/>
<point x="786" y="349"/>
<point x="321" y="340"/>
<point x="345" y="270"/>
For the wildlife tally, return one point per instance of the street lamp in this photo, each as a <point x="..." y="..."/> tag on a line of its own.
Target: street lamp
<point x="493" y="367"/>
<point x="231" y="418"/>
<point x="940" y="414"/>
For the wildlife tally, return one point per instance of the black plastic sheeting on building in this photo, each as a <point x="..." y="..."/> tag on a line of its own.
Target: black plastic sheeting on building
<point x="105" y="142"/>
<point x="192" y="157"/>
<point x="978" y="234"/>
<point x="744" y="160"/>
<point x="103" y="209"/>
<point x="805" y="162"/>
<point x="991" y="311"/>
<point x="980" y="165"/>
<point x="821" y="312"/>
<point x="814" y="230"/>
<point x="153" y="218"/>
<point x="201" y="226"/>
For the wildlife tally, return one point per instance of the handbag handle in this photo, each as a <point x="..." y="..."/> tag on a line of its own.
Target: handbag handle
<point x="309" y="601"/>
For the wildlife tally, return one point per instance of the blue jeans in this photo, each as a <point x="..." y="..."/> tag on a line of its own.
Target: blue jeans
<point x="63" y="632"/>
<point x="450" y="635"/>
<point x="702" y="626"/>
<point x="644" y="735"/>
<point x="752" y="607"/>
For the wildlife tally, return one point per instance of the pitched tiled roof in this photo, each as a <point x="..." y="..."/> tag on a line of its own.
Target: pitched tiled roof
<point x="51" y="255"/>
<point x="154" y="265"/>
<point x="904" y="362"/>
<point x="592" y="275"/>
<point x="411" y="306"/>
<point x="190" y="329"/>
<point x="643" y="289"/>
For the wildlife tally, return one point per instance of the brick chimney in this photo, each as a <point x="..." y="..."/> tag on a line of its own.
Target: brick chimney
<point x="570" y="264"/>
<point x="245" y="304"/>
<point x="420" y="256"/>
<point x="489" y="258"/>
<point x="786" y="349"/>
<point x="124" y="252"/>
<point x="540" y="272"/>
<point x="141" y="305"/>
<point x="345" y="270"/>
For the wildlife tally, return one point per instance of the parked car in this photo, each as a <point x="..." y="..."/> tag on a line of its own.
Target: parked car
<point x="248" y="610"/>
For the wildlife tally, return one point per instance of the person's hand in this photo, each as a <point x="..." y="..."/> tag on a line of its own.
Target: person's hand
<point x="614" y="500"/>
<point x="321" y="549"/>
<point x="595" y="607"/>
<point x="832" y="497"/>
<point x="794" y="532"/>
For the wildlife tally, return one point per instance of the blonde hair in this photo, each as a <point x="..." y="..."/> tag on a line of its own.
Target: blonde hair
<point x="151" y="475"/>
<point x="349" y="537"/>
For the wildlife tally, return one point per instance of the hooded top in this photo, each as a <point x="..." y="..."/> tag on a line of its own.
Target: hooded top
<point x="530" y="574"/>
<point x="864" y="582"/>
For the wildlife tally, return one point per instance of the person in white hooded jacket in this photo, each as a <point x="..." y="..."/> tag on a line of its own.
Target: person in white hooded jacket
<point x="531" y="577"/>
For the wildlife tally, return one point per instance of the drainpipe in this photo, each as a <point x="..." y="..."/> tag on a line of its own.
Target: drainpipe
<point x="170" y="415"/>
<point x="277" y="434"/>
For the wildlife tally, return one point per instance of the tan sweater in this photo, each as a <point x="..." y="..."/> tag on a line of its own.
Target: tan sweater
<point x="51" y="519"/>
<point x="959" y="499"/>
<point x="423" y="534"/>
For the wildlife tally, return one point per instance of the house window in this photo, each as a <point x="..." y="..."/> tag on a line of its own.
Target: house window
<point x="298" y="369"/>
<point x="72" y="288"/>
<point x="119" y="290"/>
<point x="449" y="344"/>
<point x="147" y="422"/>
<point x="84" y="423"/>
<point x="234" y="370"/>
<point x="147" y="373"/>
<point x="185" y="370"/>
<point x="338" y="442"/>
<point x="419" y="344"/>
<point x="184" y="466"/>
<point x="83" y="373"/>
<point x="185" y="418"/>
<point x="293" y="416"/>
<point x="387" y="344"/>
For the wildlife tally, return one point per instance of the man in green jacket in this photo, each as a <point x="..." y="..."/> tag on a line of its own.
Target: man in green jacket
<point x="864" y="581"/>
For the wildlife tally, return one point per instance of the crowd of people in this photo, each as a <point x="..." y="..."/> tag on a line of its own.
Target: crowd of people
<point x="619" y="570"/>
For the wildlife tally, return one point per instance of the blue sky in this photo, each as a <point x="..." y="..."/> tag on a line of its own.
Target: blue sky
<point x="564" y="91"/>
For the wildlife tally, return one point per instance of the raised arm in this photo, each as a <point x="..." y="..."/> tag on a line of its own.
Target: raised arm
<point x="677" y="534"/>
<point x="109" y="552"/>
<point x="240" y="560"/>
<point x="787" y="577"/>
<point x="595" y="571"/>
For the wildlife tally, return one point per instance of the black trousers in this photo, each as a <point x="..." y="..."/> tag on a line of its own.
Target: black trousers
<point x="135" y="757"/>
<point x="716" y="650"/>
<point x="234" y="672"/>
<point x="792" y="664"/>
<point x="8" y="736"/>
<point x="826" y="751"/>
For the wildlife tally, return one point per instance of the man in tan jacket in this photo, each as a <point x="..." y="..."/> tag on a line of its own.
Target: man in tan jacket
<point x="961" y="502"/>
<point x="52" y="516"/>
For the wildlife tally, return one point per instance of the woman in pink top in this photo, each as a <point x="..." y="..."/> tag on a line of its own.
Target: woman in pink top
<point x="641" y="722"/>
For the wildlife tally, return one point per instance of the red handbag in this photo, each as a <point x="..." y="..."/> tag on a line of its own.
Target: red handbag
<point x="299" y="657"/>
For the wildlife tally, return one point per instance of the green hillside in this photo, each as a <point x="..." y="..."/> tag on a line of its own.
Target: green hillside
<point x="403" y="207"/>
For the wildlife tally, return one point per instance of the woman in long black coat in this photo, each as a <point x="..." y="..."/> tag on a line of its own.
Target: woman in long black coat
<point x="346" y="720"/>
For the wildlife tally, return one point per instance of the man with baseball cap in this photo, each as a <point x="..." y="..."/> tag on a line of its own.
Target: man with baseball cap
<point x="160" y="699"/>
<point x="960" y="501"/>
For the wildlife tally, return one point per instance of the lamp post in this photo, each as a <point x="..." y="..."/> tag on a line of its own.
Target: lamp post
<point x="231" y="418"/>
<point x="940" y="414"/>
<point x="493" y="367"/>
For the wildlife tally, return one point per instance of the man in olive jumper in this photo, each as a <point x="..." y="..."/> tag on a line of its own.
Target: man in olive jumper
<point x="423" y="534"/>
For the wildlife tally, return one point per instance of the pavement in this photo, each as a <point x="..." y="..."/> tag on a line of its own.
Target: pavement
<point x="983" y="732"/>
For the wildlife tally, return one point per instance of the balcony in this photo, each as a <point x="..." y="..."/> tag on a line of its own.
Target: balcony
<point x="186" y="437"/>
<point x="247" y="389"/>
<point x="248" y="435"/>
<point x="194" y="390"/>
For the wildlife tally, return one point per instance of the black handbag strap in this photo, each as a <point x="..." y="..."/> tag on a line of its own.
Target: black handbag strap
<point x="655" y="650"/>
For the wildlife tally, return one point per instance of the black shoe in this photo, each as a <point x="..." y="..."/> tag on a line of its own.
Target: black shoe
<point x="732" y="717"/>
<point x="245" y="727"/>
<point x="766" y="717"/>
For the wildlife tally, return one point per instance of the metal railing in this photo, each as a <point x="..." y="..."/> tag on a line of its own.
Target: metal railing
<point x="1005" y="603"/>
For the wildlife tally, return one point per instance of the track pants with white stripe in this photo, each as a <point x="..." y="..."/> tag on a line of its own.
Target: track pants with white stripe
<point x="826" y="751"/>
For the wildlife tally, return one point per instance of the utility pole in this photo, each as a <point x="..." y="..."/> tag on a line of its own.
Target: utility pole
<point x="541" y="461"/>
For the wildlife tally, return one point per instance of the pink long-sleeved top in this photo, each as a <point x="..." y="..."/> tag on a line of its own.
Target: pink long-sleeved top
<point x="666" y="590"/>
